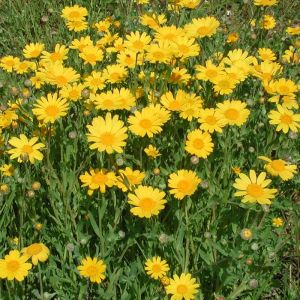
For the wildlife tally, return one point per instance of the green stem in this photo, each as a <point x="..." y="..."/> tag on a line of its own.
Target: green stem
<point x="41" y="282"/>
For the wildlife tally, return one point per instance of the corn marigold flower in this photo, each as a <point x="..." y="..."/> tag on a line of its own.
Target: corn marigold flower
<point x="185" y="47"/>
<point x="152" y="151"/>
<point x="285" y="119"/>
<point x="72" y="91"/>
<point x="224" y="84"/>
<point x="161" y="52"/>
<point x="210" y="121"/>
<point x="74" y="13"/>
<point x="246" y="234"/>
<point x="51" y="108"/>
<point x="199" y="143"/>
<point x="128" y="178"/>
<point x="208" y="72"/>
<point x="9" y="62"/>
<point x="233" y="112"/>
<point x="79" y="44"/>
<point x="277" y="222"/>
<point x="253" y="189"/>
<point x="95" y="81"/>
<point x="183" y="183"/>
<point x="137" y="41"/>
<point x="37" y="252"/>
<point x="14" y="266"/>
<point x="202" y="27"/>
<point x="77" y="26"/>
<point x="59" y="54"/>
<point x="168" y="34"/>
<point x="149" y="120"/>
<point x="153" y="21"/>
<point x="33" y="50"/>
<point x="91" y="55"/>
<point x="268" y="22"/>
<point x="115" y="73"/>
<point x="265" y="2"/>
<point x="25" y="149"/>
<point x="182" y="287"/>
<point x="7" y="170"/>
<point x="266" y="54"/>
<point x="147" y="201"/>
<point x="98" y="179"/>
<point x="107" y="134"/>
<point x="156" y="268"/>
<point x="293" y="30"/>
<point x="93" y="269"/>
<point x="279" y="167"/>
<point x="24" y="66"/>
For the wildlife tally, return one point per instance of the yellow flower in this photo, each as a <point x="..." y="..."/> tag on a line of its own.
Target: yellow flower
<point x="156" y="267"/>
<point x="202" y="27"/>
<point x="95" y="81"/>
<point x="115" y="73"/>
<point x="153" y="21"/>
<point x="265" y="2"/>
<point x="91" y="55"/>
<point x="57" y="74"/>
<point x="33" y="50"/>
<point x="107" y="134"/>
<point x="25" y="149"/>
<point x="173" y="103"/>
<point x="253" y="189"/>
<point x="268" y="22"/>
<point x="159" y="53"/>
<point x="208" y="72"/>
<point x="8" y="63"/>
<point x="232" y="37"/>
<point x="129" y="59"/>
<point x="37" y="252"/>
<point x="236" y="170"/>
<point x="98" y="179"/>
<point x="185" y="47"/>
<point x="93" y="269"/>
<point x="77" y="26"/>
<point x="293" y="30"/>
<point x="246" y="234"/>
<point x="285" y="119"/>
<point x="136" y="41"/>
<point x="147" y="201"/>
<point x="277" y="222"/>
<point x="210" y="121"/>
<point x="183" y="183"/>
<point x="224" y="84"/>
<point x="168" y="34"/>
<point x="50" y="109"/>
<point x="279" y="167"/>
<point x="152" y="151"/>
<point x="266" y="54"/>
<point x="81" y="43"/>
<point x="129" y="178"/>
<point x="72" y="91"/>
<point x="148" y="121"/>
<point x="24" y="66"/>
<point x="59" y="54"/>
<point x="7" y="170"/>
<point x="199" y="143"/>
<point x="183" y="287"/>
<point x="179" y="76"/>
<point x="233" y="112"/>
<point x="74" y="13"/>
<point x="14" y="266"/>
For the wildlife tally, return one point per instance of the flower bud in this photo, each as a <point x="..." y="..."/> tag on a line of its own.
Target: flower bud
<point x="246" y="234"/>
<point x="253" y="283"/>
<point x="70" y="247"/>
<point x="207" y="235"/>
<point x="85" y="93"/>
<point x="28" y="83"/>
<point x="121" y="234"/>
<point x="38" y="226"/>
<point x="36" y="186"/>
<point x="72" y="135"/>
<point x="156" y="171"/>
<point x="30" y="194"/>
<point x="163" y="238"/>
<point x="254" y="246"/>
<point x="194" y="160"/>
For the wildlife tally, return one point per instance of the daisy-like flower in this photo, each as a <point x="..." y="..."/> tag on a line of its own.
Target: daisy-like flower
<point x="153" y="21"/>
<point x="77" y="26"/>
<point x="129" y="178"/>
<point x="199" y="143"/>
<point x="279" y="167"/>
<point x="74" y="13"/>
<point x="98" y="179"/>
<point x="93" y="269"/>
<point x="37" y="252"/>
<point x="253" y="188"/>
<point x="25" y="149"/>
<point x="183" y="183"/>
<point x="152" y="151"/>
<point x="183" y="287"/>
<point x="95" y="81"/>
<point x="293" y="30"/>
<point x="136" y="41"/>
<point x="148" y="121"/>
<point x="210" y="121"/>
<point x="173" y="103"/>
<point x="33" y="50"/>
<point x="81" y="43"/>
<point x="266" y="54"/>
<point x="265" y="2"/>
<point x="156" y="267"/>
<point x="268" y="22"/>
<point x="277" y="222"/>
<point x="91" y="55"/>
<point x="202" y="27"/>
<point x="7" y="170"/>
<point x="24" y="66"/>
<point x="159" y="53"/>
<point x="168" y="33"/>
<point x="51" y="108"/>
<point x="57" y="74"/>
<point x="107" y="134"/>
<point x="185" y="47"/>
<point x="72" y="91"/>
<point x="285" y="119"/>
<point x="147" y="201"/>
<point x="115" y="73"/>
<point x="233" y="112"/>
<point x="14" y="266"/>
<point x="9" y="62"/>
<point x="59" y="54"/>
<point x="224" y="84"/>
<point x="208" y="72"/>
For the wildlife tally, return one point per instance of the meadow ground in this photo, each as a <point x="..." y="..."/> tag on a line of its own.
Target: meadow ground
<point x="154" y="165"/>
